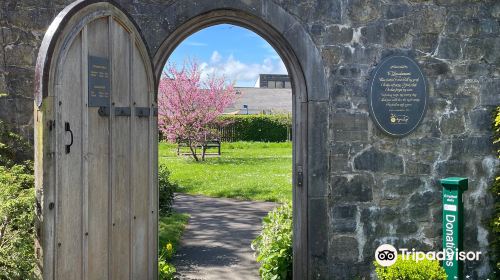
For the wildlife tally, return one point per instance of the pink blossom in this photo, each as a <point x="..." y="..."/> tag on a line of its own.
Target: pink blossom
<point x="188" y="107"/>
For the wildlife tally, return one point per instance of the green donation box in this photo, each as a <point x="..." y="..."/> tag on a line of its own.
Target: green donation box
<point x="453" y="225"/>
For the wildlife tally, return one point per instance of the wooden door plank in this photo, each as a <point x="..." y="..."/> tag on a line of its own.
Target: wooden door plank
<point x="140" y="169"/>
<point x="69" y="192"/>
<point x="85" y="150"/>
<point x="98" y="167"/>
<point x="120" y="159"/>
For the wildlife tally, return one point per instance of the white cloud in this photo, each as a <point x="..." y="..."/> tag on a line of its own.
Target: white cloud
<point x="196" y="44"/>
<point x="236" y="71"/>
<point x="216" y="57"/>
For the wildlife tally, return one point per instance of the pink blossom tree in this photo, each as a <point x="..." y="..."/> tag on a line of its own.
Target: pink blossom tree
<point x="188" y="106"/>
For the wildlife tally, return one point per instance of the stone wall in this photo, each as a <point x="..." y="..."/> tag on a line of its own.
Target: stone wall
<point x="381" y="189"/>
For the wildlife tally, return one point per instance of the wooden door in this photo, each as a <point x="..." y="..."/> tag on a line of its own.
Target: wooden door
<point x="96" y="148"/>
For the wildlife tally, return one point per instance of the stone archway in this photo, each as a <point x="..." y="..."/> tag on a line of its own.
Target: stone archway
<point x="310" y="103"/>
<point x="98" y="35"/>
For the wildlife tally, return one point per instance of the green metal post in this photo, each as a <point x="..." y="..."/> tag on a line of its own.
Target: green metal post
<point x="453" y="225"/>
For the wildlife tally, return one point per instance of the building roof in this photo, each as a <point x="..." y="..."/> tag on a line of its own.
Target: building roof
<point x="258" y="100"/>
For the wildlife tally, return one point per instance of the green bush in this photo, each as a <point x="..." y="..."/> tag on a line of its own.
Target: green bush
<point x="258" y="128"/>
<point x="274" y="244"/>
<point x="14" y="149"/>
<point x="166" y="190"/>
<point x="495" y="189"/>
<point x="17" y="200"/>
<point x="411" y="270"/>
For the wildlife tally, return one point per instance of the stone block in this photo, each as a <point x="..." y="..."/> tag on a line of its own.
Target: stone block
<point x="338" y="34"/>
<point x="429" y="19"/>
<point x="353" y="188"/>
<point x="401" y="186"/>
<point x="378" y="161"/>
<point x="363" y="10"/>
<point x="344" y="218"/>
<point x="451" y="168"/>
<point x="372" y="33"/>
<point x="433" y="67"/>
<point x="489" y="93"/>
<point x="344" y="249"/>
<point x="417" y="168"/>
<point x="406" y="228"/>
<point x="449" y="48"/>
<point x="471" y="146"/>
<point x="452" y="123"/>
<point x="420" y="203"/>
<point x="396" y="34"/>
<point x="331" y="54"/>
<point x="426" y="42"/>
<point x="393" y="11"/>
<point x="480" y="119"/>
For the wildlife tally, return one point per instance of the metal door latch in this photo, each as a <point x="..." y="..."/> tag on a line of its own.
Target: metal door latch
<point x="300" y="176"/>
<point x="67" y="128"/>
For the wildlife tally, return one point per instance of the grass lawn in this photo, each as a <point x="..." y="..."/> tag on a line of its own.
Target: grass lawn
<point x="170" y="229"/>
<point x="246" y="170"/>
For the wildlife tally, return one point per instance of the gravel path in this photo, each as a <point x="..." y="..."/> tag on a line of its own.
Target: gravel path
<point x="216" y="243"/>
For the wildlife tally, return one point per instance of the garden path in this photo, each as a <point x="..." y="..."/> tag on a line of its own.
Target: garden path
<point x="216" y="242"/>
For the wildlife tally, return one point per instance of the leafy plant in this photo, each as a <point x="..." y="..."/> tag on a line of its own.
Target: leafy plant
<point x="166" y="190"/>
<point x="274" y="245"/>
<point x="495" y="189"/>
<point x="17" y="200"/>
<point x="166" y="270"/>
<point x="410" y="269"/>
<point x="262" y="128"/>
<point x="14" y="149"/>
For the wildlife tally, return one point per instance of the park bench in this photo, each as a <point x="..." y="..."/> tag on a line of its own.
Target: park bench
<point x="208" y="144"/>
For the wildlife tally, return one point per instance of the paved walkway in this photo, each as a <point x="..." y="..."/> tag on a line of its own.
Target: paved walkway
<point x="216" y="243"/>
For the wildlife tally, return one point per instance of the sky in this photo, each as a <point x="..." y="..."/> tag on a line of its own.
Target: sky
<point x="236" y="53"/>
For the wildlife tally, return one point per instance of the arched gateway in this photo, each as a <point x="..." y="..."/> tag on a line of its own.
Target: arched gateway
<point x="96" y="134"/>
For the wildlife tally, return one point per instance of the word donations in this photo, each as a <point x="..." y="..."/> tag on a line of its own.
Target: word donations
<point x="398" y="96"/>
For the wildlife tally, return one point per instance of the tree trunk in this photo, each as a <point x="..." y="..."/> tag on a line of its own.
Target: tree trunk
<point x="193" y="151"/>
<point x="203" y="149"/>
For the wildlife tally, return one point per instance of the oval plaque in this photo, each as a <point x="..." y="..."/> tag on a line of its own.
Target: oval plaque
<point x="398" y="95"/>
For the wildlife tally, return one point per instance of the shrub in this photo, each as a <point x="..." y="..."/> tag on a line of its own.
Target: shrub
<point x="495" y="189"/>
<point x="258" y="128"/>
<point x="14" y="149"/>
<point x="17" y="200"/>
<point x="166" y="190"/>
<point x="411" y="270"/>
<point x="274" y="245"/>
<point x="166" y="270"/>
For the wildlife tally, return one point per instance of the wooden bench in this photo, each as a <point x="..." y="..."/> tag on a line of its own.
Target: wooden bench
<point x="204" y="147"/>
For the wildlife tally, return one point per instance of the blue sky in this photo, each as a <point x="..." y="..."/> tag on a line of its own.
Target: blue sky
<point x="235" y="52"/>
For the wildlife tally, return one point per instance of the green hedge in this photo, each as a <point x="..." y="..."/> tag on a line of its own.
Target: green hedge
<point x="261" y="128"/>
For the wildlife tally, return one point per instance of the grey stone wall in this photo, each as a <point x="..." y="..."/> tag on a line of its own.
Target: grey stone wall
<point x="381" y="189"/>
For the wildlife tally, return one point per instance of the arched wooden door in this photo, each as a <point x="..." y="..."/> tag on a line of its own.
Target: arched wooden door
<point x="96" y="147"/>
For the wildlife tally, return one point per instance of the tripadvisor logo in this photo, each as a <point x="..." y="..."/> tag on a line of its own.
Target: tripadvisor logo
<point x="386" y="255"/>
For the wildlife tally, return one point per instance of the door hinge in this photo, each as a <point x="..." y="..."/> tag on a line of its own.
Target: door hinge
<point x="300" y="176"/>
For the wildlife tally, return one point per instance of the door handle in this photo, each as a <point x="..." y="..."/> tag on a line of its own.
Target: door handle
<point x="67" y="128"/>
